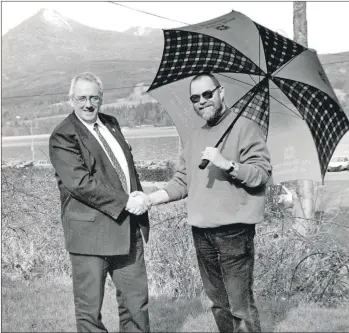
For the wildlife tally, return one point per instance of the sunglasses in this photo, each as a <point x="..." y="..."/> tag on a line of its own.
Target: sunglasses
<point x="206" y="94"/>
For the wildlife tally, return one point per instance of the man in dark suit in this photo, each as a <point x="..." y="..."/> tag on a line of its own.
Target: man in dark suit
<point x="96" y="177"/>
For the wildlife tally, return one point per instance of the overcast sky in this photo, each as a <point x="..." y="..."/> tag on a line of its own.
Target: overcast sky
<point x="328" y="23"/>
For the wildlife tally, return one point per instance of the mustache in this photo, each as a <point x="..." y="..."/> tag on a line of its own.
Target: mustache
<point x="205" y="106"/>
<point x="90" y="109"/>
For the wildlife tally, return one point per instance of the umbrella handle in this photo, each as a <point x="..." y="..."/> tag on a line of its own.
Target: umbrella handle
<point x="203" y="164"/>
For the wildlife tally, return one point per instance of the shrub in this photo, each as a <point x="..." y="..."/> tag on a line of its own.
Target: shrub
<point x="32" y="235"/>
<point x="170" y="253"/>
<point x="287" y="265"/>
<point x="311" y="268"/>
<point x="155" y="171"/>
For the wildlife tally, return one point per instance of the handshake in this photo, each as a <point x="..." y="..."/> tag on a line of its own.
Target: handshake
<point x="138" y="203"/>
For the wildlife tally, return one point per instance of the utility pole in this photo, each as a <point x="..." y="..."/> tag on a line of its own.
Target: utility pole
<point x="300" y="25"/>
<point x="300" y="36"/>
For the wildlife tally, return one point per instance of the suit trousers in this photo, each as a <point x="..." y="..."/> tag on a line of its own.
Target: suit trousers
<point x="128" y="273"/>
<point x="226" y="258"/>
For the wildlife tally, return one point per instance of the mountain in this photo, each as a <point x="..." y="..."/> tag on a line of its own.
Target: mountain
<point x="337" y="69"/>
<point x="48" y="47"/>
<point x="52" y="39"/>
<point x="42" y="54"/>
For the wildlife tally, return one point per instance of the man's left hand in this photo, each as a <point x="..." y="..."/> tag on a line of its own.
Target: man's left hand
<point x="215" y="157"/>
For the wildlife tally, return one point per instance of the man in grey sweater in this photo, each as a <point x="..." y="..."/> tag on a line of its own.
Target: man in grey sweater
<point x="225" y="201"/>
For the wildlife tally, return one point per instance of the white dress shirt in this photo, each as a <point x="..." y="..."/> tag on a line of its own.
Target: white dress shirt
<point x="113" y="144"/>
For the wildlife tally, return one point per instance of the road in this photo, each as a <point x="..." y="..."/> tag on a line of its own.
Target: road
<point x="342" y="175"/>
<point x="134" y="133"/>
<point x="145" y="132"/>
<point x="159" y="132"/>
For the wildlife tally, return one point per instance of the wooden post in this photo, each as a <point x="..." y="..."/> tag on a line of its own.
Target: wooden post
<point x="300" y="35"/>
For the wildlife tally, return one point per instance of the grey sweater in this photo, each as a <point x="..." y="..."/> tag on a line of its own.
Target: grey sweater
<point x="215" y="197"/>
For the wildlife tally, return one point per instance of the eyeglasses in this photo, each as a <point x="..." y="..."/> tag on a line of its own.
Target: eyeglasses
<point x="83" y="99"/>
<point x="206" y="94"/>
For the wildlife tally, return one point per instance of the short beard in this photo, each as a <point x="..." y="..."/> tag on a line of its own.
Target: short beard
<point x="215" y="117"/>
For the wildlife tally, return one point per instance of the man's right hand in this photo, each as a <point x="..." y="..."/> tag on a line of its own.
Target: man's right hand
<point x="138" y="203"/>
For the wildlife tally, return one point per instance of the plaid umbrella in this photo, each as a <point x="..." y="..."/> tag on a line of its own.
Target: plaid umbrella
<point x="268" y="78"/>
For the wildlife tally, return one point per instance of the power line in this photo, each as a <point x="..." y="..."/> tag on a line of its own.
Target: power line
<point x="144" y="12"/>
<point x="39" y="95"/>
<point x="65" y="93"/>
<point x="166" y="18"/>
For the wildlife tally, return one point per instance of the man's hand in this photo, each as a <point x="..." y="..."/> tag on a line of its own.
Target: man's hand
<point x="138" y="203"/>
<point x="215" y="157"/>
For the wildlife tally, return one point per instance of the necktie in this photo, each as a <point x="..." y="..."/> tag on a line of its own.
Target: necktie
<point x="114" y="160"/>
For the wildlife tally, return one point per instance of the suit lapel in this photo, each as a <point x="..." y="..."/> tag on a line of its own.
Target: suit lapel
<point x="93" y="146"/>
<point x="114" y="130"/>
<point x="87" y="138"/>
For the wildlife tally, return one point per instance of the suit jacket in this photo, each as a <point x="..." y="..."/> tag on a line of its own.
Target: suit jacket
<point x="92" y="198"/>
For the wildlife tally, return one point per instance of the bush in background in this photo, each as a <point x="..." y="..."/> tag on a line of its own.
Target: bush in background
<point x="170" y="254"/>
<point x="161" y="171"/>
<point x="288" y="266"/>
<point x="32" y="233"/>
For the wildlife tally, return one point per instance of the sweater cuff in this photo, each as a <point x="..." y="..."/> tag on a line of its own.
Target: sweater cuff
<point x="235" y="172"/>
<point x="240" y="172"/>
<point x="173" y="191"/>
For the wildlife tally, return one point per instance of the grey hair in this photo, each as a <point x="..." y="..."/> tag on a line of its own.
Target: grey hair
<point x="199" y="76"/>
<point x="87" y="76"/>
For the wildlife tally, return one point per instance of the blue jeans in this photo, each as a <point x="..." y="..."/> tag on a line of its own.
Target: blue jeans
<point x="226" y="258"/>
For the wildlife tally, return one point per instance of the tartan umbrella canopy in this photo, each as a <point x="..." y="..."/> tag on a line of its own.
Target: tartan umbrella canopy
<point x="268" y="78"/>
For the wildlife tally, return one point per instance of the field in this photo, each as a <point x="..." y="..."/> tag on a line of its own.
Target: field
<point x="35" y="263"/>
<point x="36" y="270"/>
<point x="52" y="310"/>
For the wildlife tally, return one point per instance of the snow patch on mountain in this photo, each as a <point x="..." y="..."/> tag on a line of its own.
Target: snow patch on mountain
<point x="139" y="31"/>
<point x="56" y="19"/>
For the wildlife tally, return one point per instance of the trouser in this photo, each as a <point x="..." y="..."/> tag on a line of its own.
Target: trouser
<point x="129" y="276"/>
<point x="226" y="258"/>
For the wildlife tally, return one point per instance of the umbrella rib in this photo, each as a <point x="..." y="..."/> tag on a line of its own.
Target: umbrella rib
<point x="285" y="64"/>
<point x="259" y="56"/>
<point x="228" y="77"/>
<point x="253" y="79"/>
<point x="240" y="112"/>
<point x="286" y="107"/>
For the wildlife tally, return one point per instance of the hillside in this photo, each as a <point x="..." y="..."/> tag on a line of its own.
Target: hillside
<point x="337" y="70"/>
<point x="49" y="40"/>
<point x="40" y="56"/>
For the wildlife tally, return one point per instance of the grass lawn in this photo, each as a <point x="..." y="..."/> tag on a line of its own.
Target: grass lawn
<point x="311" y="318"/>
<point x="47" y="306"/>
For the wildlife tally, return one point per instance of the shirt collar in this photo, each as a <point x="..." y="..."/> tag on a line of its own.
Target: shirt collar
<point x="90" y="125"/>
